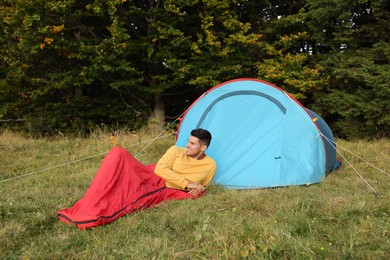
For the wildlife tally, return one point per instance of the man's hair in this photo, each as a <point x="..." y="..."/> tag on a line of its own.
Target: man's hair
<point x="203" y="135"/>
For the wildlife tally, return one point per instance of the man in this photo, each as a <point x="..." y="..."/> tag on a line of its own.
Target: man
<point x="123" y="185"/>
<point x="188" y="168"/>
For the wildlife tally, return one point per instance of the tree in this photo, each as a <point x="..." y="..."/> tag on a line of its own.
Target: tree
<point x="352" y="44"/>
<point x="69" y="65"/>
<point x="71" y="57"/>
<point x="62" y="59"/>
<point x="281" y="55"/>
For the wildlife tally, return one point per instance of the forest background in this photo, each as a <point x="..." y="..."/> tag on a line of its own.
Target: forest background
<point x="70" y="66"/>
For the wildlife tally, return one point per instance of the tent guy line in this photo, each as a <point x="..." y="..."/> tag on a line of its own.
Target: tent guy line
<point x="159" y="136"/>
<point x="81" y="159"/>
<point x="333" y="144"/>
<point x="360" y="158"/>
<point x="356" y="171"/>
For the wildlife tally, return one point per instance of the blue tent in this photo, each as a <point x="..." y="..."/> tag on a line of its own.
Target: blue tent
<point x="262" y="136"/>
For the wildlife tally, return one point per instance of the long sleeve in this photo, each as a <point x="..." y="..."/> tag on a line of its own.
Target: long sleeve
<point x="177" y="169"/>
<point x="209" y="177"/>
<point x="165" y="171"/>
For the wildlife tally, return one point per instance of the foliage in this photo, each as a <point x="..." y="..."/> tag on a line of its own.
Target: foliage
<point x="62" y="63"/>
<point x="337" y="219"/>
<point x="360" y="102"/>
<point x="68" y="66"/>
<point x="352" y="45"/>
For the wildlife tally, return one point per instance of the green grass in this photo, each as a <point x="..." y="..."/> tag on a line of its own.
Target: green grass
<point x="340" y="218"/>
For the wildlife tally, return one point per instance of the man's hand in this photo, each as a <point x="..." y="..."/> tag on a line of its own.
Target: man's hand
<point x="194" y="188"/>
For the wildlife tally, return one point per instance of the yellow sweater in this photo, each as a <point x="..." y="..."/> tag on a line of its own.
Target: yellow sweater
<point x="177" y="169"/>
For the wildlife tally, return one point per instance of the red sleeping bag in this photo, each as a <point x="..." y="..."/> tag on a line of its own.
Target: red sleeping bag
<point x="121" y="186"/>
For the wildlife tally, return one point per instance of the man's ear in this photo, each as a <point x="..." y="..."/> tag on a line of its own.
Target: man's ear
<point x="203" y="147"/>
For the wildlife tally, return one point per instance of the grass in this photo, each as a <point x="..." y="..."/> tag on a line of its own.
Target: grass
<point x="340" y="218"/>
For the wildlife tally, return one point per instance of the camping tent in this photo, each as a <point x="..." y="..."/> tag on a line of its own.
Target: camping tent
<point x="262" y="136"/>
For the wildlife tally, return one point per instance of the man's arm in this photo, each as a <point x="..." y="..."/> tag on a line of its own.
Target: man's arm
<point x="197" y="188"/>
<point x="210" y="176"/>
<point x="164" y="169"/>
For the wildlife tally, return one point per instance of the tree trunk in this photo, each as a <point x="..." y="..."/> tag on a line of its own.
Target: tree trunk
<point x="159" y="108"/>
<point x="158" y="118"/>
<point x="78" y="93"/>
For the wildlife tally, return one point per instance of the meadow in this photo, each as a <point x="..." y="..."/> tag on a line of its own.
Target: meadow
<point x="339" y="218"/>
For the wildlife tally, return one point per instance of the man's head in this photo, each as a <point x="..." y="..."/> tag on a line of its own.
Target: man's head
<point x="203" y="135"/>
<point x="198" y="142"/>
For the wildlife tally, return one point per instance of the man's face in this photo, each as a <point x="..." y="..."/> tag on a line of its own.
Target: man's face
<point x="194" y="147"/>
